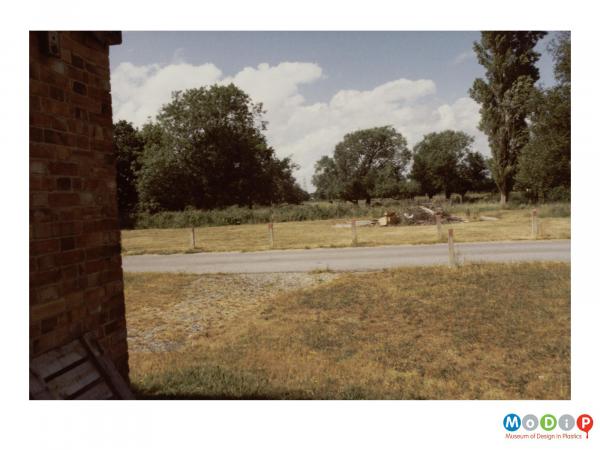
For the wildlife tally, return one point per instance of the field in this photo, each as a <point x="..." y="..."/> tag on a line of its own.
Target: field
<point x="489" y="331"/>
<point x="513" y="224"/>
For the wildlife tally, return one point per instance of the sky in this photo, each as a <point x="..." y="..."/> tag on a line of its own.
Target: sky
<point x="314" y="86"/>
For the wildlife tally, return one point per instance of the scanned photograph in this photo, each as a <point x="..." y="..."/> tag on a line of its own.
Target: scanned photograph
<point x="310" y="215"/>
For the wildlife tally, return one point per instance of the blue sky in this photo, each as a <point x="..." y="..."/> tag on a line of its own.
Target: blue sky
<point x="315" y="86"/>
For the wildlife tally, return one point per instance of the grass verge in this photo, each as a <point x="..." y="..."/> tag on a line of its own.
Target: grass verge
<point x="489" y="331"/>
<point x="512" y="225"/>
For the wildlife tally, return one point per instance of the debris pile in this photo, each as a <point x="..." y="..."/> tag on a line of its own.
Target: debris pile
<point x="417" y="215"/>
<point x="412" y="215"/>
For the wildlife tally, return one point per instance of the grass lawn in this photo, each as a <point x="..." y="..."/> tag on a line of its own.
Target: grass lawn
<point x="489" y="331"/>
<point x="512" y="225"/>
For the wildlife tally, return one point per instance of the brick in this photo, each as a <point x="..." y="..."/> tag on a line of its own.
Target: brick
<point x="67" y="243"/>
<point x="40" y="120"/>
<point x="46" y="310"/>
<point x="63" y="184"/>
<point x="34" y="71"/>
<point x="58" y="67"/>
<point x="39" y="278"/>
<point x="77" y="61"/>
<point x="40" y="151"/>
<point x="79" y="88"/>
<point x="47" y="294"/>
<point x="46" y="262"/>
<point x="36" y="134"/>
<point x="114" y="326"/>
<point x="57" y="93"/>
<point x="95" y="266"/>
<point x="49" y="324"/>
<point x="37" y="199"/>
<point x="37" y="167"/>
<point x="34" y="103"/>
<point x="38" y="88"/>
<point x="41" y="230"/>
<point x="63" y="199"/>
<point x="63" y="168"/>
<point x="60" y="137"/>
<point x="70" y="257"/>
<point x="40" y="247"/>
<point x="53" y="78"/>
<point x="56" y="108"/>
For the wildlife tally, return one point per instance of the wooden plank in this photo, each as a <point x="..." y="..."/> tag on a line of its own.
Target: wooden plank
<point x="74" y="380"/>
<point x="100" y="391"/>
<point x="55" y="360"/>
<point x="108" y="369"/>
<point x="38" y="389"/>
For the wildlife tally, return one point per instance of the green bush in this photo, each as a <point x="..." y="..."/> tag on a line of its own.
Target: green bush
<point x="235" y="215"/>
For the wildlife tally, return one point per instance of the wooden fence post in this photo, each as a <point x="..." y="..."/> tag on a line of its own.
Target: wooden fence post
<point x="451" y="253"/>
<point x="438" y="224"/>
<point x="534" y="224"/>
<point x="354" y="234"/>
<point x="193" y="238"/>
<point x="271" y="237"/>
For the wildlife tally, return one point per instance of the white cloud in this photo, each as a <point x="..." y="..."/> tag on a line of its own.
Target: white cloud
<point x="305" y="130"/>
<point x="463" y="57"/>
<point x="139" y="91"/>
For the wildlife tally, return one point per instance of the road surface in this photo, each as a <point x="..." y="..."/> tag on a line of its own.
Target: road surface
<point x="348" y="259"/>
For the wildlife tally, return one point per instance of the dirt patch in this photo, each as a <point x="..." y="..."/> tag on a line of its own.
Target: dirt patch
<point x="205" y="304"/>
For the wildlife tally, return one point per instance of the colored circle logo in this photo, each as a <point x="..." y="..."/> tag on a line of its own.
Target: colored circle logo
<point x="530" y="422"/>
<point x="585" y="423"/>
<point x="512" y="422"/>
<point x="566" y="422"/>
<point x="548" y="422"/>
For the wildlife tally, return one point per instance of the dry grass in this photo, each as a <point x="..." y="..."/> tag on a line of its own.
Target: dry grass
<point x="490" y="331"/>
<point x="513" y="225"/>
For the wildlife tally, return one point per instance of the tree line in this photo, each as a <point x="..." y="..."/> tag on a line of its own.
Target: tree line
<point x="376" y="162"/>
<point x="207" y="149"/>
<point x="528" y="129"/>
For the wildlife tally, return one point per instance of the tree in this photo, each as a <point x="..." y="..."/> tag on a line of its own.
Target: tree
<point x="362" y="163"/>
<point x="474" y="174"/>
<point x="505" y="97"/>
<point x="129" y="147"/>
<point x="207" y="150"/>
<point x="444" y="162"/>
<point x="545" y="162"/>
<point x="326" y="179"/>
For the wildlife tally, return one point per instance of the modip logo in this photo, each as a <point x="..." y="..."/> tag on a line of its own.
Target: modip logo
<point x="548" y="423"/>
<point x="512" y="422"/>
<point x="585" y="423"/>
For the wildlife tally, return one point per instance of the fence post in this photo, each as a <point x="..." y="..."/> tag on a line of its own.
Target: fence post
<point x="271" y="237"/>
<point x="451" y="254"/>
<point x="354" y="234"/>
<point x="534" y="224"/>
<point x="193" y="238"/>
<point x="438" y="224"/>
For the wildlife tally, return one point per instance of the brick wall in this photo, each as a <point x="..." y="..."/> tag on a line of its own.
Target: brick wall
<point x="75" y="281"/>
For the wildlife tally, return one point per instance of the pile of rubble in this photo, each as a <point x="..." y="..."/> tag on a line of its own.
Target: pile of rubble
<point x="416" y="215"/>
<point x="412" y="215"/>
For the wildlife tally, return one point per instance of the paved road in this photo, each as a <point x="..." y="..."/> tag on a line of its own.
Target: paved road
<point x="348" y="259"/>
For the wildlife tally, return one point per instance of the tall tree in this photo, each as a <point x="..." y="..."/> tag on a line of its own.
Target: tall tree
<point x="545" y="162"/>
<point x="361" y="157"/>
<point x="208" y="150"/>
<point x="505" y="97"/>
<point x="444" y="162"/>
<point x="326" y="179"/>
<point x="129" y="147"/>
